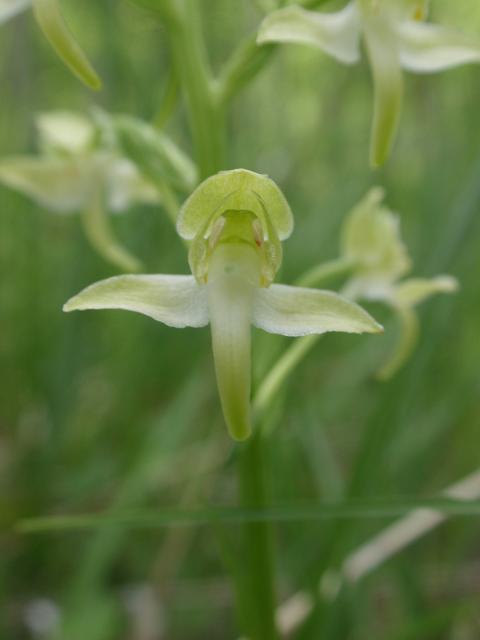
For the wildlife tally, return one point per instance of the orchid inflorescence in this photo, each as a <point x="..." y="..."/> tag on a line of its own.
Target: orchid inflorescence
<point x="395" y="37"/>
<point x="234" y="222"/>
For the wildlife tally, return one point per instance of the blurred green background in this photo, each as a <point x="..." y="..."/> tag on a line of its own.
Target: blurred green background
<point x="113" y="411"/>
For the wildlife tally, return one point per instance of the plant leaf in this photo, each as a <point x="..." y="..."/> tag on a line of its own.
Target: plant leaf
<point x="296" y="311"/>
<point x="55" y="29"/>
<point x="177" y="301"/>
<point x="337" y="34"/>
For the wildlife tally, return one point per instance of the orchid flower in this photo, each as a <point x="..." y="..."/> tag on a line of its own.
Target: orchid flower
<point x="373" y="245"/>
<point x="50" y="20"/>
<point x="235" y="222"/>
<point x="82" y="168"/>
<point x="395" y="37"/>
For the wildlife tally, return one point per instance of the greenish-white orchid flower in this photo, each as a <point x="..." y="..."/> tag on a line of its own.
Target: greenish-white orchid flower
<point x="235" y="222"/>
<point x="50" y="20"/>
<point x="82" y="168"/>
<point x="372" y="244"/>
<point x="395" y="37"/>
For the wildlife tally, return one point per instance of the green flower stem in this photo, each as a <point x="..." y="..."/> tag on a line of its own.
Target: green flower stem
<point x="258" y="584"/>
<point x="326" y="271"/>
<point x="205" y="112"/>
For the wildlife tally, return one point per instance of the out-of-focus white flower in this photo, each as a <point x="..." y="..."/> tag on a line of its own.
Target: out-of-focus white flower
<point x="395" y="37"/>
<point x="372" y="244"/>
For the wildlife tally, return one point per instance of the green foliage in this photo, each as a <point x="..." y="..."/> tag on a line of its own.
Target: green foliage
<point x="110" y="430"/>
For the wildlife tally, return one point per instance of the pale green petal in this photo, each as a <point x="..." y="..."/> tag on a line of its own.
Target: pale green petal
<point x="177" y="301"/>
<point x="406" y="341"/>
<point x="156" y="156"/>
<point x="10" y="8"/>
<point x="230" y="297"/>
<point x="98" y="229"/>
<point x="58" y="184"/>
<point x="296" y="311"/>
<point x="337" y="34"/>
<point x="125" y="186"/>
<point x="427" y="48"/>
<point x="64" y="132"/>
<point x="417" y="290"/>
<point x="238" y="190"/>
<point x="53" y="25"/>
<point x="388" y="89"/>
<point x="371" y="240"/>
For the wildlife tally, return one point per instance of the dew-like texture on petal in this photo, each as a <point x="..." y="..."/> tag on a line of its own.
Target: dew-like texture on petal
<point x="58" y="184"/>
<point x="177" y="301"/>
<point x="337" y="34"/>
<point x="417" y="290"/>
<point x="426" y="48"/>
<point x="55" y="29"/>
<point x="371" y="239"/>
<point x="10" y="8"/>
<point x="237" y="190"/>
<point x="296" y="311"/>
<point x="388" y="89"/>
<point x="64" y="132"/>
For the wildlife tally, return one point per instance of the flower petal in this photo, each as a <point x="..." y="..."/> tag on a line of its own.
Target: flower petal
<point x="231" y="283"/>
<point x="98" y="229"/>
<point x="177" y="301"/>
<point x="371" y="239"/>
<point x="58" y="184"/>
<point x="10" y="8"/>
<point x="405" y="344"/>
<point x="64" y="132"/>
<point x="388" y="89"/>
<point x="55" y="29"/>
<point x="337" y="34"/>
<point x="426" y="48"/>
<point x="296" y="311"/>
<point x="237" y="190"/>
<point x="417" y="290"/>
<point x="126" y="186"/>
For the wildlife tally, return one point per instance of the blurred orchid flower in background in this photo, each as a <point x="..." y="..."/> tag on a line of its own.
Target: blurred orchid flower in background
<point x="235" y="222"/>
<point x="395" y="37"/>
<point x="84" y="167"/>
<point x="50" y="20"/>
<point x="373" y="245"/>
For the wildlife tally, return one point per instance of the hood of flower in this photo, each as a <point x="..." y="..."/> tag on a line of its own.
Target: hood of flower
<point x="231" y="230"/>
